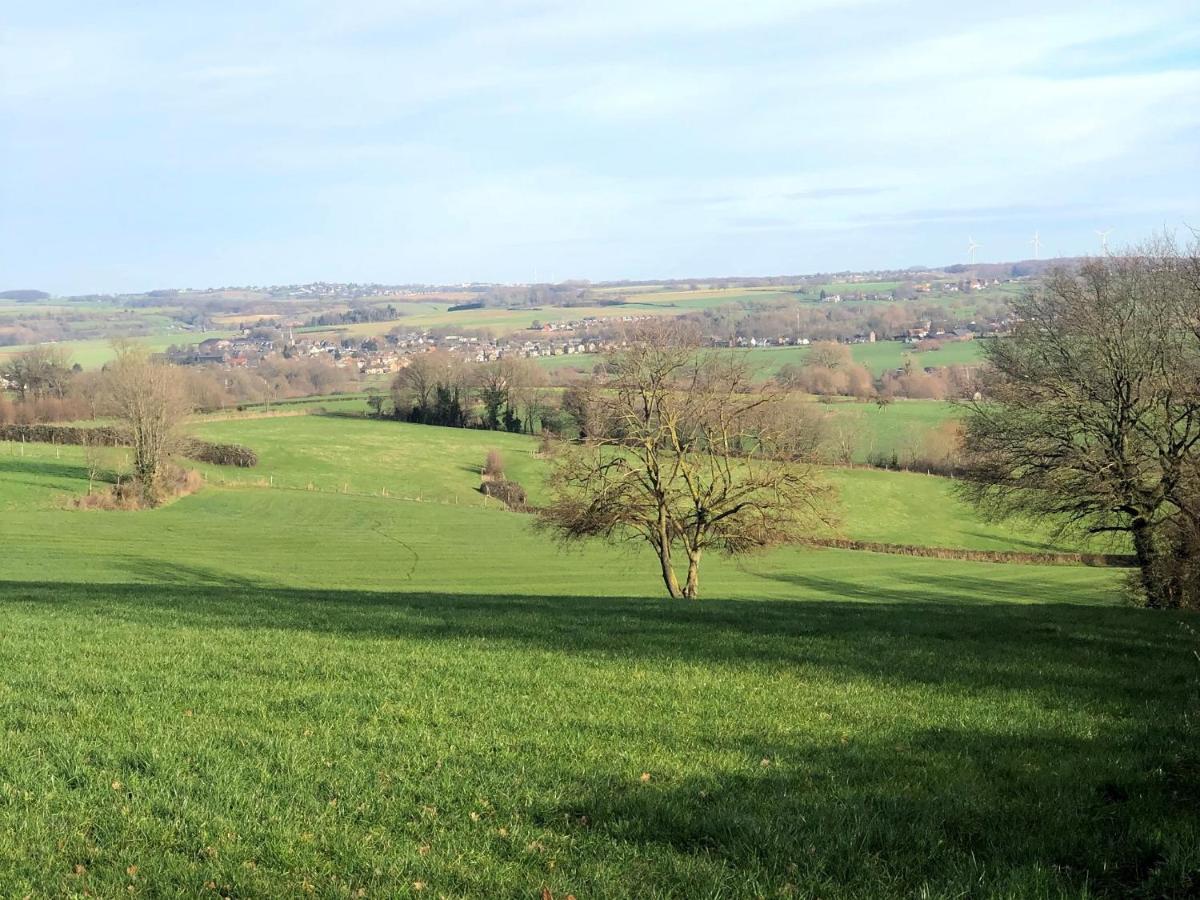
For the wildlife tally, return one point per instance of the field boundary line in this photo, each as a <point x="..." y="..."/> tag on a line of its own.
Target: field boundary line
<point x="1102" y="560"/>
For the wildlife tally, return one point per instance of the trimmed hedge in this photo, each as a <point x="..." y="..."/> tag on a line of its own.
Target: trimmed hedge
<point x="507" y="492"/>
<point x="107" y="436"/>
<point x="103" y="435"/>
<point x="221" y="454"/>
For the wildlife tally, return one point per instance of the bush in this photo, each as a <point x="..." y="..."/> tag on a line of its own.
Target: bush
<point x="508" y="492"/>
<point x="221" y="454"/>
<point x="493" y="466"/>
<point x="129" y="494"/>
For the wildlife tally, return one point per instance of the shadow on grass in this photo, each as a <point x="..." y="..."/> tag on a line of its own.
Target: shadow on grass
<point x="942" y="813"/>
<point x="42" y="468"/>
<point x="901" y="636"/>
<point x="1027" y="807"/>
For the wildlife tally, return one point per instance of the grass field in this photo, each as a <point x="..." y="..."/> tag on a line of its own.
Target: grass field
<point x="878" y="357"/>
<point x="91" y="354"/>
<point x="275" y="691"/>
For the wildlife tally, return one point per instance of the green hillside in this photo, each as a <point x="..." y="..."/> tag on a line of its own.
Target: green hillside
<point x="270" y="690"/>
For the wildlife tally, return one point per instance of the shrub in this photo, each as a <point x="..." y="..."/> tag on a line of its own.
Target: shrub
<point x="509" y="493"/>
<point x="221" y="454"/>
<point x="130" y="494"/>
<point x="493" y="466"/>
<point x="548" y="444"/>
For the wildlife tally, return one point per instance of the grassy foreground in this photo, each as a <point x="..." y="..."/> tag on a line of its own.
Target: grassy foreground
<point x="275" y="691"/>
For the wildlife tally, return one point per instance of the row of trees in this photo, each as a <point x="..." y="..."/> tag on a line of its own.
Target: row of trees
<point x="39" y="373"/>
<point x="839" y="321"/>
<point x="829" y="370"/>
<point x="48" y="388"/>
<point x="441" y="388"/>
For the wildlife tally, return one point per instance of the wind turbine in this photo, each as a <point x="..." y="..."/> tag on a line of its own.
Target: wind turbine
<point x="971" y="248"/>
<point x="1037" y="246"/>
<point x="1104" y="238"/>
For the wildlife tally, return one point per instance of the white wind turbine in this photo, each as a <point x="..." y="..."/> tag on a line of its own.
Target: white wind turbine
<point x="1104" y="238"/>
<point x="1037" y="246"/>
<point x="971" y="248"/>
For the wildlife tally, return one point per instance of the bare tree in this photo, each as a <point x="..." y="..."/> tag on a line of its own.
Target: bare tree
<point x="495" y="381"/>
<point x="428" y="385"/>
<point x="843" y="431"/>
<point x="528" y="395"/>
<point x="39" y="372"/>
<point x="685" y="452"/>
<point x="150" y="400"/>
<point x="415" y="384"/>
<point x="1091" y="412"/>
<point x="92" y="457"/>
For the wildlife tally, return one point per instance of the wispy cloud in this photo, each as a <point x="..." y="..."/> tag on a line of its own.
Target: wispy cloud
<point x="402" y="140"/>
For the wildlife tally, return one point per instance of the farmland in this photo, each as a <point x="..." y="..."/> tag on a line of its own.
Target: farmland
<point x="345" y="670"/>
<point x="82" y="327"/>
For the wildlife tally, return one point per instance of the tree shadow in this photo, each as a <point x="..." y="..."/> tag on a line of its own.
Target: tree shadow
<point x="901" y="807"/>
<point x="952" y="812"/>
<point x="42" y="468"/>
<point x="910" y="633"/>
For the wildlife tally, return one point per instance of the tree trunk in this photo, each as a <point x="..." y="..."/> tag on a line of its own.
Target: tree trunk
<point x="668" y="573"/>
<point x="691" y="589"/>
<point x="1143" y="548"/>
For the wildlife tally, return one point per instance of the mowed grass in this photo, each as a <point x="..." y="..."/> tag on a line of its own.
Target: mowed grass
<point x="284" y="692"/>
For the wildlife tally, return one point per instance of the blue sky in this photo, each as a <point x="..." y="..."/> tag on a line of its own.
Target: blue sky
<point x="150" y="145"/>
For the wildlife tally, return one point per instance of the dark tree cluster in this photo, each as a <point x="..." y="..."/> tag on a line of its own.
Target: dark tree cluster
<point x="1090" y="416"/>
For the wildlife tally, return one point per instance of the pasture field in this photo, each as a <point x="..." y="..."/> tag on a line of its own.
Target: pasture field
<point x="276" y="691"/>
<point x="900" y="426"/>
<point x="93" y="353"/>
<point x="856" y="287"/>
<point x="442" y="465"/>
<point x="879" y="357"/>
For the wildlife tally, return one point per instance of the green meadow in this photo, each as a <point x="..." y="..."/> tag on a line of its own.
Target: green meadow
<point x="345" y="673"/>
<point x="879" y="357"/>
<point x="94" y="353"/>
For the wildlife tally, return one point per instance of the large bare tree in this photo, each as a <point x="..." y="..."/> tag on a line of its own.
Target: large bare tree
<point x="1091" y="411"/>
<point x="685" y="452"/>
<point x="39" y="372"/>
<point x="150" y="400"/>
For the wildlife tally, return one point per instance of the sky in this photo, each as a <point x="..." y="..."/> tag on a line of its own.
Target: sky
<point x="148" y="145"/>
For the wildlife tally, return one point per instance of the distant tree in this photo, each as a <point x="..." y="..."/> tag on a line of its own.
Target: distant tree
<point x="415" y="383"/>
<point x="687" y="453"/>
<point x="39" y="372"/>
<point x="830" y="354"/>
<point x="149" y="398"/>
<point x="375" y="403"/>
<point x="1091" y="412"/>
<point x="495" y="391"/>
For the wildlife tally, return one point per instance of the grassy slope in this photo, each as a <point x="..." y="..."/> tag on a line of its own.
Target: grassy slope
<point x="878" y="357"/>
<point x="93" y="353"/>
<point x="277" y="691"/>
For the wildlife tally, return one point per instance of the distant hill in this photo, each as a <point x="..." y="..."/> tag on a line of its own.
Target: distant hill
<point x="24" y="295"/>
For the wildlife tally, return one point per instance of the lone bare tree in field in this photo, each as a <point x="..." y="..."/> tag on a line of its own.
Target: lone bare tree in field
<point x="150" y="400"/>
<point x="1091" y="412"/>
<point x="684" y="452"/>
